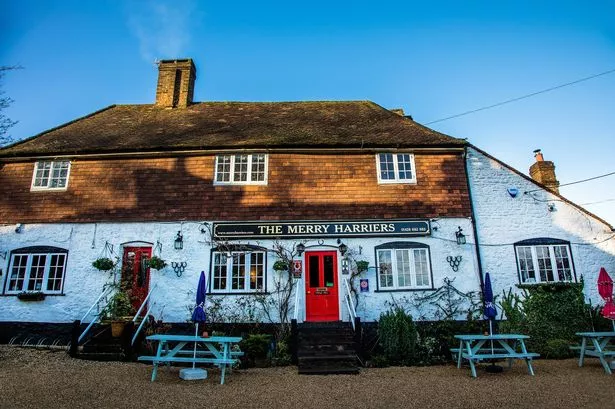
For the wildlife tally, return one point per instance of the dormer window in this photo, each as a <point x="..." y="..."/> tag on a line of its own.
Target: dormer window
<point x="244" y="169"/>
<point x="395" y="168"/>
<point x="50" y="175"/>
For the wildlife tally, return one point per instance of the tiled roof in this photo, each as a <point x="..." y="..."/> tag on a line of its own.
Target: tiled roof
<point x="233" y="125"/>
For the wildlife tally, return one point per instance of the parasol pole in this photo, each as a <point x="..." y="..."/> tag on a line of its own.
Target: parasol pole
<point x="196" y="331"/>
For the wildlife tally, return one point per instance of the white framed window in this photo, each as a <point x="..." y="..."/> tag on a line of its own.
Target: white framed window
<point x="403" y="266"/>
<point x="50" y="175"/>
<point x="238" y="271"/>
<point x="34" y="269"/>
<point x="395" y="168"/>
<point x="544" y="261"/>
<point x="242" y="169"/>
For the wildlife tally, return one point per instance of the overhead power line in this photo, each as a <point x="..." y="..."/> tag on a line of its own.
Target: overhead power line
<point x="600" y="201"/>
<point x="522" y="97"/>
<point x="578" y="181"/>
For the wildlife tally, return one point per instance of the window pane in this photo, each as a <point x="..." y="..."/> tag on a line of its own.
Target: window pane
<point x="239" y="271"/>
<point x="18" y="272"/>
<point x="257" y="271"/>
<point x="526" y="264"/>
<point x="240" y="173"/>
<point x="544" y="263"/>
<point x="404" y="166"/>
<point x="59" y="174"/>
<point x="385" y="268"/>
<point x="314" y="271"/>
<point x="564" y="270"/>
<point x="37" y="270"/>
<point x="387" y="168"/>
<point x="403" y="268"/>
<point x="328" y="273"/>
<point x="56" y="272"/>
<point x="223" y="169"/>
<point x="220" y="269"/>
<point x="421" y="267"/>
<point x="42" y="174"/>
<point x="258" y="168"/>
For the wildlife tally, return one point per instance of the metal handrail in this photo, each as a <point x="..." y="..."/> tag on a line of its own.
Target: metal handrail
<point x="96" y="317"/>
<point x="134" y="319"/>
<point x="144" y="303"/>
<point x="349" y="303"/>
<point x="296" y="306"/>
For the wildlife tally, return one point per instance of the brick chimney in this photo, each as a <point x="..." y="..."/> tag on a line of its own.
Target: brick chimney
<point x="175" y="83"/>
<point x="543" y="171"/>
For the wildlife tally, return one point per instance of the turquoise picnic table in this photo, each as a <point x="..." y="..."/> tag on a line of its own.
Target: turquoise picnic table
<point x="211" y="350"/>
<point x="479" y="347"/>
<point x="601" y="345"/>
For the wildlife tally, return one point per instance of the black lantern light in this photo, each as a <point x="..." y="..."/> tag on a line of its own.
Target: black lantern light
<point x="461" y="238"/>
<point x="179" y="241"/>
<point x="343" y="248"/>
<point x="300" y="249"/>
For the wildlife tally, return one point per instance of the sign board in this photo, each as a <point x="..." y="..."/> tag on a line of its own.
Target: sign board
<point x="297" y="267"/>
<point x="321" y="229"/>
<point x="321" y="291"/>
<point x="364" y="285"/>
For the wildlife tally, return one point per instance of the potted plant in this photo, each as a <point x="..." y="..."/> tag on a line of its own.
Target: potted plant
<point x="103" y="264"/>
<point x="157" y="263"/>
<point x="118" y="311"/>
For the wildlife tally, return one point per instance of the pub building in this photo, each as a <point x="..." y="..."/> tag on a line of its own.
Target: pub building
<point x="219" y="186"/>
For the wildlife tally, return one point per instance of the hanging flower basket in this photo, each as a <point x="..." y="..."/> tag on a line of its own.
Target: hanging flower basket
<point x="280" y="265"/>
<point x="103" y="264"/>
<point x="362" y="266"/>
<point x="157" y="263"/>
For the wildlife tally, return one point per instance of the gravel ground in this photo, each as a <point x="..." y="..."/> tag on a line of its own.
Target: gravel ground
<point x="44" y="379"/>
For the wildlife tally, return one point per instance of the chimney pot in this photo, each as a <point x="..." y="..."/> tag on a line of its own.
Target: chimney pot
<point x="175" y="83"/>
<point x="538" y="155"/>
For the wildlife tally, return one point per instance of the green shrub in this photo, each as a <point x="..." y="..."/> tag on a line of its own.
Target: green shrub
<point x="280" y="265"/>
<point x="557" y="349"/>
<point x="255" y="346"/>
<point x="397" y="336"/>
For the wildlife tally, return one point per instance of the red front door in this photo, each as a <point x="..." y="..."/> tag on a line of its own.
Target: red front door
<point x="135" y="273"/>
<point x="321" y="299"/>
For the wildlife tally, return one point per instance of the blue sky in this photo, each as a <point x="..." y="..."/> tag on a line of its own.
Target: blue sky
<point x="434" y="59"/>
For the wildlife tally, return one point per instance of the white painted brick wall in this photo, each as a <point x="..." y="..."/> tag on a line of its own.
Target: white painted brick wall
<point x="503" y="220"/>
<point x="174" y="296"/>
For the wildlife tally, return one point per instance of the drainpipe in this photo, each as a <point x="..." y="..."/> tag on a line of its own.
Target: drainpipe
<point x="473" y="220"/>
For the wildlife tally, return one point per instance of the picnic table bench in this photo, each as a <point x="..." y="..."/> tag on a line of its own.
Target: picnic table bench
<point x="479" y="347"/>
<point x="601" y="345"/>
<point x="218" y="351"/>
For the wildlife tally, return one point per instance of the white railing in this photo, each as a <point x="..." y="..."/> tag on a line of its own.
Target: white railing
<point x="349" y="302"/>
<point x="100" y="303"/>
<point x="297" y="291"/>
<point x="149" y="310"/>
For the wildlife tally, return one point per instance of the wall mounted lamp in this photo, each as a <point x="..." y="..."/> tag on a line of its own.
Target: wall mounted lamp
<point x="300" y="249"/>
<point x="343" y="248"/>
<point x="179" y="241"/>
<point x="461" y="238"/>
<point x="18" y="228"/>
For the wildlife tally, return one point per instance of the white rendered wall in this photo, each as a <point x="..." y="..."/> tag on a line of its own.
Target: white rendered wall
<point x="174" y="296"/>
<point x="503" y="220"/>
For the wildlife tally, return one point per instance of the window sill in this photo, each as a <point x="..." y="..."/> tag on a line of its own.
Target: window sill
<point x="399" y="290"/>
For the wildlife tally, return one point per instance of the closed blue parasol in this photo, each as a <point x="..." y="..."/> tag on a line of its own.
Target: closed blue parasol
<point x="489" y="310"/>
<point x="198" y="315"/>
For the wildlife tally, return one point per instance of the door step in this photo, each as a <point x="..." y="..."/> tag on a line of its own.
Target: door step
<point x="326" y="348"/>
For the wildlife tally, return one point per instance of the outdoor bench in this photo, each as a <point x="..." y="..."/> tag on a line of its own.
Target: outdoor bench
<point x="181" y="359"/>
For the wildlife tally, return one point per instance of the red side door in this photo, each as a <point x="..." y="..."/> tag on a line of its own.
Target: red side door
<point x="135" y="273"/>
<point x="321" y="286"/>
